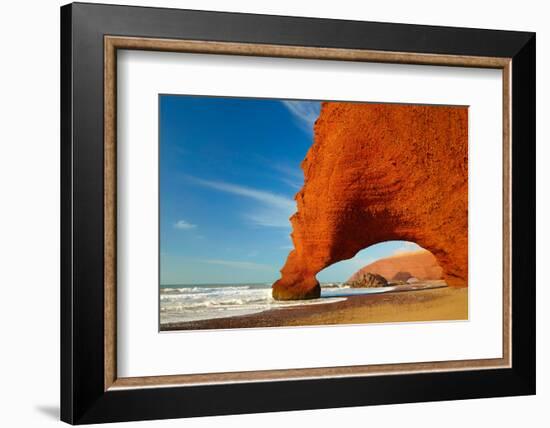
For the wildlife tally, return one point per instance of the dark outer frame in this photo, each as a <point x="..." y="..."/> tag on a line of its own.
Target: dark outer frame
<point x="83" y="396"/>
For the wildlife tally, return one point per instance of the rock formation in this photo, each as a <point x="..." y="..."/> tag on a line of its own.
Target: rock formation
<point x="367" y="280"/>
<point x="420" y="264"/>
<point x="379" y="172"/>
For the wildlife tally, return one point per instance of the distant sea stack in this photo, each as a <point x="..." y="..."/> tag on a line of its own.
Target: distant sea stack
<point x="380" y="172"/>
<point x="420" y="264"/>
<point x="365" y="279"/>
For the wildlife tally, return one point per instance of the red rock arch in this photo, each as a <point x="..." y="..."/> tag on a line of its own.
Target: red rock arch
<point x="380" y="172"/>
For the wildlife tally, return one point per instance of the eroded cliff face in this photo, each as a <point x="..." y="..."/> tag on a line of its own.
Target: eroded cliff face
<point x="379" y="172"/>
<point x="419" y="264"/>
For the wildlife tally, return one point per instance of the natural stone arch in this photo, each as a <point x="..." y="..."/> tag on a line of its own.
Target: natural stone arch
<point x="380" y="172"/>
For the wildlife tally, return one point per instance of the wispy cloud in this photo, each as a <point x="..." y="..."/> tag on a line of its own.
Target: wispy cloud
<point x="237" y="264"/>
<point x="263" y="196"/>
<point x="267" y="218"/>
<point x="305" y="112"/>
<point x="273" y="211"/>
<point x="291" y="176"/>
<point x="184" y="225"/>
<point x="286" y="247"/>
<point x="294" y="172"/>
<point x="290" y="183"/>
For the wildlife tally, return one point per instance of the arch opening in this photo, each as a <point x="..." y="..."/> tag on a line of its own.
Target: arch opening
<point x="389" y="263"/>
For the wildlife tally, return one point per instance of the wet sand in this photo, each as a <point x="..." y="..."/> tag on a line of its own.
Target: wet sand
<point x="435" y="304"/>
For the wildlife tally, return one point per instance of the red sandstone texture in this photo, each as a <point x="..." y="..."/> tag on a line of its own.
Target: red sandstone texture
<point x="417" y="264"/>
<point x="380" y="172"/>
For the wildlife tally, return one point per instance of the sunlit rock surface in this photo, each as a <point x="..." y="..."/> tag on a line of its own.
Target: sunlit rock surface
<point x="379" y="172"/>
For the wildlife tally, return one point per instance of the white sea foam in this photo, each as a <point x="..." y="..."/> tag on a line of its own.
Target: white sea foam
<point x="200" y="302"/>
<point x="192" y="303"/>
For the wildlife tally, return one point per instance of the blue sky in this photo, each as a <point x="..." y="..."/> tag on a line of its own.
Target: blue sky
<point x="229" y="169"/>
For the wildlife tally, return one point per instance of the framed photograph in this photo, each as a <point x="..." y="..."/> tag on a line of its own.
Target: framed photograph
<point x="266" y="213"/>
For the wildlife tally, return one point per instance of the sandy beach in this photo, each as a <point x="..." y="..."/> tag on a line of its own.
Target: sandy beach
<point x="436" y="304"/>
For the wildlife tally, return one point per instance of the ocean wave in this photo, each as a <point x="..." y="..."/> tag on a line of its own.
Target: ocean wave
<point x="199" y="289"/>
<point x="183" y="305"/>
<point x="218" y="295"/>
<point x="205" y="302"/>
<point x="251" y="303"/>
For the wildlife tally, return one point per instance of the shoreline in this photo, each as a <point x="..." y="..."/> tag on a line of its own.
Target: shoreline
<point x="431" y="304"/>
